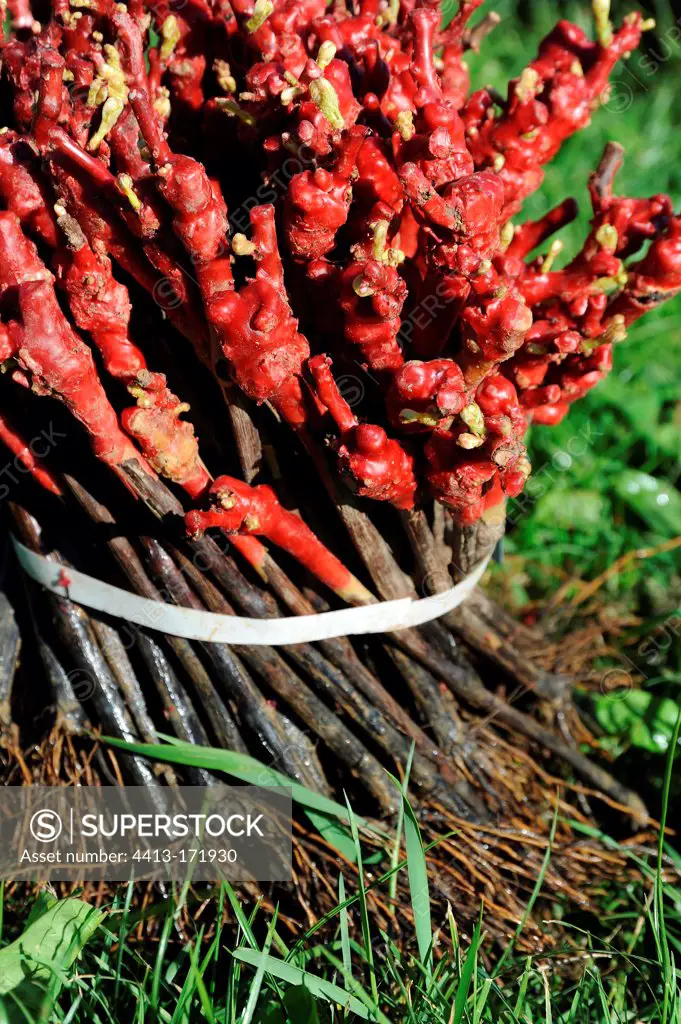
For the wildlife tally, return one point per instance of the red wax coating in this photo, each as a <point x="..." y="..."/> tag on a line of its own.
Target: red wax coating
<point x="50" y="353"/>
<point x="21" y="450"/>
<point x="239" y="508"/>
<point x="376" y="466"/>
<point x="423" y="393"/>
<point x="317" y="202"/>
<point x="386" y="194"/>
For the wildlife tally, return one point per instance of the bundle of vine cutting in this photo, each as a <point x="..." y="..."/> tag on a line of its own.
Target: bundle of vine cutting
<point x="292" y="206"/>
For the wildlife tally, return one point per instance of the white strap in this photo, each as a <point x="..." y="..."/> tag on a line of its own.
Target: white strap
<point x="383" y="617"/>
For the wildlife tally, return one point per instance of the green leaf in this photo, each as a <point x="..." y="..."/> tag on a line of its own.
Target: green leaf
<point x="466" y="977"/>
<point x="636" y="400"/>
<point x="655" y="501"/>
<point x="335" y="834"/>
<point x="256" y="985"/>
<point x="419" y="890"/>
<point x="668" y="438"/>
<point x="363" y="906"/>
<point x="295" y="976"/>
<point x="571" y="509"/>
<point x="44" y="902"/>
<point x="32" y="968"/>
<point x="344" y="930"/>
<point x="449" y="9"/>
<point x="418" y="886"/>
<point x="297" y="1005"/>
<point x="240" y="766"/>
<point x="644" y="720"/>
<point x="300" y="1006"/>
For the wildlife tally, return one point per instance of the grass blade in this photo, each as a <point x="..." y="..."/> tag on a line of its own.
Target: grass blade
<point x="240" y="766"/>
<point x="417" y="870"/>
<point x="254" y="993"/>
<point x="395" y="855"/>
<point x="670" y="993"/>
<point x="344" y="930"/>
<point x="363" y="908"/>
<point x="466" y="976"/>
<point x="296" y="976"/>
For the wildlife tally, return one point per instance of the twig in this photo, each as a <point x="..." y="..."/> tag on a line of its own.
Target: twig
<point x="246" y="436"/>
<point x="463" y="683"/>
<point x="603" y="177"/>
<point x="474" y="37"/>
<point x="636" y="555"/>
<point x="253" y="708"/>
<point x="70" y="712"/>
<point x="221" y="720"/>
<point x="341" y="653"/>
<point x="246" y="596"/>
<point x="470" y="544"/>
<point x="10" y="645"/>
<point x="476" y="620"/>
<point x="117" y="656"/>
<point x="426" y="692"/>
<point x="319" y="719"/>
<point x="177" y="705"/>
<point x="474" y="693"/>
<point x="76" y="633"/>
<point x="411" y="672"/>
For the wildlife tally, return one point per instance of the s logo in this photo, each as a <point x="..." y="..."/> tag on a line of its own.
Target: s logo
<point x="46" y="826"/>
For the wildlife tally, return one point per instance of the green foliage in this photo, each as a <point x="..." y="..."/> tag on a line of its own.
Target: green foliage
<point x="33" y="968"/>
<point x="250" y="975"/>
<point x="418" y="886"/>
<point x="656" y="502"/>
<point x="639" y="717"/>
<point x="239" y="766"/>
<point x="313" y="985"/>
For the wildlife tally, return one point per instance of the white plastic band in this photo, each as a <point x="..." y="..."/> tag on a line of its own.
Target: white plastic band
<point x="193" y="624"/>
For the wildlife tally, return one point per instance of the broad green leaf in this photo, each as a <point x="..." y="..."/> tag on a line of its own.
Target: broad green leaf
<point x="571" y="509"/>
<point x="668" y="438"/>
<point x="44" y="902"/>
<point x="32" y="967"/>
<point x="295" y="976"/>
<point x="636" y="400"/>
<point x="643" y="719"/>
<point x="655" y="501"/>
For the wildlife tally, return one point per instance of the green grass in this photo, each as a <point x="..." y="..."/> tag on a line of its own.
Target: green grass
<point x="75" y="965"/>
